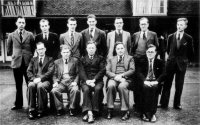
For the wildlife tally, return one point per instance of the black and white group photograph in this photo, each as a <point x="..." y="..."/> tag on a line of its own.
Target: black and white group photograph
<point x="101" y="62"/>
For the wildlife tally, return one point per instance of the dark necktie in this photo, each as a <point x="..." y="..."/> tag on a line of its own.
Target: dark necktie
<point x="72" y="38"/>
<point x="45" y="37"/>
<point x="178" y="40"/>
<point x="20" y="36"/>
<point x="150" y="70"/>
<point x="91" y="36"/>
<point x="91" y="57"/>
<point x="144" y="36"/>
<point x="66" y="61"/>
<point x="120" y="59"/>
<point x="40" y="62"/>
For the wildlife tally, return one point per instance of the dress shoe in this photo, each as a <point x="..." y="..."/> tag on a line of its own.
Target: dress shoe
<point x="71" y="112"/>
<point x="153" y="119"/>
<point x="60" y="112"/>
<point x="178" y="107"/>
<point x="126" y="116"/>
<point x="85" y="118"/>
<point x="40" y="115"/>
<point x="16" y="107"/>
<point x="31" y="115"/>
<point x="90" y="118"/>
<point x="109" y="115"/>
<point x="144" y="118"/>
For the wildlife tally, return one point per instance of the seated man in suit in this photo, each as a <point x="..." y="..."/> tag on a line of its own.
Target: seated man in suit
<point x="66" y="79"/>
<point x="92" y="70"/>
<point x="119" y="70"/>
<point x="39" y="72"/>
<point x="151" y="73"/>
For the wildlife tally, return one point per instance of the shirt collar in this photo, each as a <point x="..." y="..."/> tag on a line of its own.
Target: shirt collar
<point x="42" y="58"/>
<point x="118" y="57"/>
<point x="18" y="31"/>
<point x="181" y="34"/>
<point x="118" y="31"/>
<point x="142" y="32"/>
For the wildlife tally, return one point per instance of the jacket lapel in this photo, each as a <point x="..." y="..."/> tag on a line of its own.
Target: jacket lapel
<point x="148" y="35"/>
<point x="16" y="35"/>
<point x="67" y="39"/>
<point x="25" y="36"/>
<point x="114" y="64"/>
<point x="87" y="35"/>
<point x="75" y="38"/>
<point x="44" y="62"/>
<point x="126" y="62"/>
<point x="124" y="37"/>
<point x="61" y="67"/>
<point x="70" y="63"/>
<point x="137" y="38"/>
<point x="96" y="34"/>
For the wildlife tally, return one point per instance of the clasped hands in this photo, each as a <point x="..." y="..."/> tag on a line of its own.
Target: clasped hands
<point x="91" y="82"/>
<point x="150" y="83"/>
<point x="119" y="78"/>
<point x="72" y="84"/>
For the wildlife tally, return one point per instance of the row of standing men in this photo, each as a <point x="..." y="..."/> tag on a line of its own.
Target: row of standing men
<point x="21" y="44"/>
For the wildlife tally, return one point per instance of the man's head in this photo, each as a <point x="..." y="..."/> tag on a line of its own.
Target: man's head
<point x="91" y="21"/>
<point x="181" y="24"/>
<point x="44" y="25"/>
<point x="20" y="23"/>
<point x="71" y="24"/>
<point x="119" y="48"/>
<point x="144" y="24"/>
<point x="65" y="51"/>
<point x="118" y="23"/>
<point x="151" y="51"/>
<point x="41" y="49"/>
<point x="91" y="48"/>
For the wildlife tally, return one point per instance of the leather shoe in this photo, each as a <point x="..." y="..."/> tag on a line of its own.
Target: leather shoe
<point x="16" y="107"/>
<point x="109" y="115"/>
<point x="144" y="118"/>
<point x="126" y="116"/>
<point x="153" y="119"/>
<point x="85" y="118"/>
<point x="90" y="118"/>
<point x="178" y="107"/>
<point x="71" y="112"/>
<point x="31" y="116"/>
<point x="59" y="112"/>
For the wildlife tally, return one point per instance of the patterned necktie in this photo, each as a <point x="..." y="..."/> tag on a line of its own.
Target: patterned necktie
<point x="45" y="37"/>
<point x="91" y="31"/>
<point x="178" y="40"/>
<point x="40" y="62"/>
<point x="150" y="70"/>
<point x="91" y="57"/>
<point x="72" y="38"/>
<point x="66" y="61"/>
<point x="20" y="36"/>
<point x="120" y="59"/>
<point x="144" y="36"/>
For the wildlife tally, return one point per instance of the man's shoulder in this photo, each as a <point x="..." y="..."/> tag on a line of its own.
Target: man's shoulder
<point x="152" y="32"/>
<point x="100" y="31"/>
<point x="53" y="34"/>
<point x="28" y="32"/>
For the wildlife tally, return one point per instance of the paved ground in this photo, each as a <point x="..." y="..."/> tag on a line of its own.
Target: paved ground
<point x="190" y="115"/>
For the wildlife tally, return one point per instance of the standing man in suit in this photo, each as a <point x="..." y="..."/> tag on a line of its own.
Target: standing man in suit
<point x="92" y="33"/>
<point x="72" y="38"/>
<point x="119" y="70"/>
<point x="92" y="70"/>
<point x="40" y="72"/>
<point x="118" y="35"/>
<point x="180" y="50"/>
<point x="140" y="41"/>
<point x="66" y="79"/>
<point x="151" y="73"/>
<point x="21" y="46"/>
<point x="49" y="39"/>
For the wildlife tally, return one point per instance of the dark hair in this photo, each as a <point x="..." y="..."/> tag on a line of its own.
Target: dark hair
<point x="43" y="20"/>
<point x="20" y="17"/>
<point x="64" y="46"/>
<point x="118" y="18"/>
<point x="91" y="42"/>
<point x="144" y="18"/>
<point x="183" y="19"/>
<point x="39" y="43"/>
<point x="116" y="44"/>
<point x="151" y="46"/>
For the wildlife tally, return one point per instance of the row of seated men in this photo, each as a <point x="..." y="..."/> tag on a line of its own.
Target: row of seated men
<point x="63" y="76"/>
<point x="21" y="44"/>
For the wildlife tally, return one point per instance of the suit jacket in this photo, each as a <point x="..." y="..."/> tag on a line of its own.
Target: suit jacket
<point x="72" y="67"/>
<point x="52" y="44"/>
<point x="129" y="66"/>
<point x="20" y="49"/>
<point x="158" y="69"/>
<point x="151" y="39"/>
<point x="47" y="69"/>
<point x="65" y="39"/>
<point x="99" y="38"/>
<point x="182" y="55"/>
<point x="126" y="39"/>
<point x="92" y="69"/>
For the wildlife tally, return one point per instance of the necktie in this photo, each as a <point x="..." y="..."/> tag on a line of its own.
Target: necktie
<point x="40" y="62"/>
<point x="120" y="59"/>
<point x="45" y="37"/>
<point x="144" y="36"/>
<point x="20" y="36"/>
<point x="91" y="57"/>
<point x="91" y="36"/>
<point x="66" y="61"/>
<point x="72" y="38"/>
<point x="178" y="41"/>
<point x="150" y="71"/>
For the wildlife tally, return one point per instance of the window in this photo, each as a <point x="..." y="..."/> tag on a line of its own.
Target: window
<point x="14" y="8"/>
<point x="149" y="7"/>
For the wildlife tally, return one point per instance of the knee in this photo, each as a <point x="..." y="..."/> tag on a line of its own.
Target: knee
<point x="122" y="86"/>
<point x="75" y="89"/>
<point x="111" y="84"/>
<point x="31" y="85"/>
